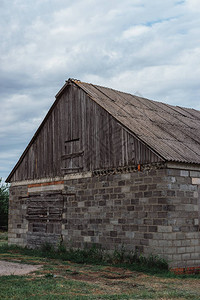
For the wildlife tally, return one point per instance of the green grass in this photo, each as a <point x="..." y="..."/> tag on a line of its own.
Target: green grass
<point x="96" y="256"/>
<point x="3" y="238"/>
<point x="19" y="287"/>
<point x="93" y="274"/>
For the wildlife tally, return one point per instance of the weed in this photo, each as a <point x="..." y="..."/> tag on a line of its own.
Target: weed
<point x="49" y="275"/>
<point x="119" y="255"/>
<point x="95" y="255"/>
<point x="47" y="247"/>
<point x="3" y="235"/>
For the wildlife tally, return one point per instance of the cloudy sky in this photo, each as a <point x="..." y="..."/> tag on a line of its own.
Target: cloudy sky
<point x="145" y="47"/>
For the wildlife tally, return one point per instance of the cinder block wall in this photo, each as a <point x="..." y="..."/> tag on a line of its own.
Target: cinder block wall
<point x="17" y="223"/>
<point x="180" y="239"/>
<point x="153" y="211"/>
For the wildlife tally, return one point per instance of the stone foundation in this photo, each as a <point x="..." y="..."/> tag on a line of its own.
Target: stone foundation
<point x="153" y="211"/>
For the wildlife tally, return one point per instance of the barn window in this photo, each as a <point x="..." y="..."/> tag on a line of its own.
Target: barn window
<point x="72" y="159"/>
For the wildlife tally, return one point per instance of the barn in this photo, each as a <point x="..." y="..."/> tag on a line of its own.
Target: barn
<point x="111" y="169"/>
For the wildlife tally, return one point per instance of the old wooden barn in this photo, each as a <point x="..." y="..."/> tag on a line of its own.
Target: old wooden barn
<point x="110" y="168"/>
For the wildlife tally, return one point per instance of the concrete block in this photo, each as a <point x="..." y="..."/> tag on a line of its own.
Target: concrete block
<point x="170" y="250"/>
<point x="172" y="179"/>
<point x="176" y="257"/>
<point x="190" y="207"/>
<point x="192" y="235"/>
<point x="125" y="189"/>
<point x="197" y="249"/>
<point x="190" y="249"/>
<point x="126" y="176"/>
<point x="114" y="222"/>
<point x="181" y="250"/>
<point x="185" y="243"/>
<point x="19" y="230"/>
<point x="165" y="243"/>
<point x="169" y="236"/>
<point x="11" y="236"/>
<point x="130" y="234"/>
<point x="87" y="239"/>
<point x="176" y="243"/>
<point x="164" y="228"/>
<point x="195" y="174"/>
<point x="158" y="236"/>
<point x="195" y="256"/>
<point x="81" y="204"/>
<point x="195" y="242"/>
<point x="185" y="256"/>
<point x="184" y="173"/>
<point x="196" y="181"/>
<point x="153" y="243"/>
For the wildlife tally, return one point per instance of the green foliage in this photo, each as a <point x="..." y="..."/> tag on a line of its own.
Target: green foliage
<point x="88" y="255"/>
<point x="47" y="248"/>
<point x="3" y="238"/>
<point x="96" y="255"/>
<point x="4" y="199"/>
<point x="153" y="264"/>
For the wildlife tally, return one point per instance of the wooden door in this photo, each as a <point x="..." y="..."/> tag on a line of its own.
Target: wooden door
<point x="44" y="215"/>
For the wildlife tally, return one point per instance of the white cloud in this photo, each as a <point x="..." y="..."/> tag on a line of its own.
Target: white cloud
<point x="147" y="47"/>
<point x="135" y="31"/>
<point x="193" y="5"/>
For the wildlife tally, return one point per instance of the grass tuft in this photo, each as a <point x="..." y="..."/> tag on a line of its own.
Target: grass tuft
<point x="96" y="255"/>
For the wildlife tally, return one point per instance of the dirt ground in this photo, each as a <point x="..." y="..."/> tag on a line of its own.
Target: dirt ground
<point x="10" y="268"/>
<point x="99" y="280"/>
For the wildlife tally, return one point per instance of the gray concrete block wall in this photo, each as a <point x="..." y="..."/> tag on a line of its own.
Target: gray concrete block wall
<point x="113" y="210"/>
<point x="17" y="223"/>
<point x="152" y="211"/>
<point x="184" y="241"/>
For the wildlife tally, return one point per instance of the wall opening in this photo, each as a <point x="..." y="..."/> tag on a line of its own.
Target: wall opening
<point x="44" y="215"/>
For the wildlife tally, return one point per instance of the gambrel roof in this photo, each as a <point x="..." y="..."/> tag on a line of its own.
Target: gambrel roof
<point x="172" y="132"/>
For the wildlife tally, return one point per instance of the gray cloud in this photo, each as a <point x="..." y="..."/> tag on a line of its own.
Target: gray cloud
<point x="150" y="48"/>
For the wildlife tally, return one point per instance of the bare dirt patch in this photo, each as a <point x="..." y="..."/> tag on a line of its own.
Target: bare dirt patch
<point x="10" y="268"/>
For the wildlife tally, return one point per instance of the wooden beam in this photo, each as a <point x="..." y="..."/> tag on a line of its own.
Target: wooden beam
<point x="72" y="155"/>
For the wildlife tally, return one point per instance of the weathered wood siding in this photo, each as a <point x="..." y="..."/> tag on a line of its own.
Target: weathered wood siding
<point x="79" y="135"/>
<point x="44" y="215"/>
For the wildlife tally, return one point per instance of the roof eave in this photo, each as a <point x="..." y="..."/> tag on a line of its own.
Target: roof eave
<point x="183" y="165"/>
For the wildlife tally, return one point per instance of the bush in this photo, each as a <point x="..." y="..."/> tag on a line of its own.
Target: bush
<point x="4" y="199"/>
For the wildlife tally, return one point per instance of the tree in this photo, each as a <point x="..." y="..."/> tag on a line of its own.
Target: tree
<point x="4" y="199"/>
